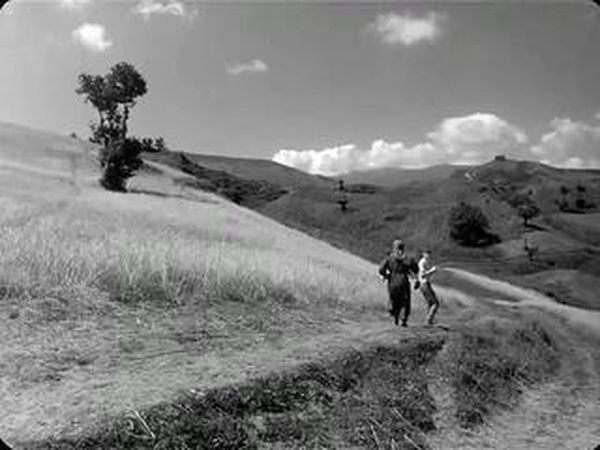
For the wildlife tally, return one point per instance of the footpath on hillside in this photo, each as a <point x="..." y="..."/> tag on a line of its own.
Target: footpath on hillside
<point x="82" y="409"/>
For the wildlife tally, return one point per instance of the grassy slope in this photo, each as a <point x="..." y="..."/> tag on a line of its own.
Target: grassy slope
<point x="418" y="213"/>
<point x="259" y="169"/>
<point x="120" y="279"/>
<point x="392" y="177"/>
<point x="119" y="303"/>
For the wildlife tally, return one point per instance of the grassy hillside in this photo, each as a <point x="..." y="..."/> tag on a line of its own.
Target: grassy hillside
<point x="393" y="177"/>
<point x="258" y="169"/>
<point x="168" y="317"/>
<point x="43" y="153"/>
<point x="251" y="192"/>
<point x="417" y="211"/>
<point x="98" y="287"/>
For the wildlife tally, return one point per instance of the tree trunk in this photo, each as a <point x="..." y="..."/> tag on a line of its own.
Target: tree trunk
<point x="124" y="124"/>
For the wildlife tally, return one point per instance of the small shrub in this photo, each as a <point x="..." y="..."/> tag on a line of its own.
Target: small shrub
<point x="469" y="226"/>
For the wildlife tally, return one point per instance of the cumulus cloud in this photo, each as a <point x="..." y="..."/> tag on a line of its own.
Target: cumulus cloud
<point x="406" y="29"/>
<point x="73" y="4"/>
<point x="254" y="66"/>
<point x="92" y="36"/>
<point x="472" y="139"/>
<point x="570" y="144"/>
<point x="476" y="138"/>
<point x="146" y="8"/>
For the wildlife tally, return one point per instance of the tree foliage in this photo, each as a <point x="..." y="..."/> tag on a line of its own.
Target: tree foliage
<point x="528" y="211"/>
<point x="526" y="207"/>
<point x="113" y="96"/>
<point x="120" y="161"/>
<point x="469" y="226"/>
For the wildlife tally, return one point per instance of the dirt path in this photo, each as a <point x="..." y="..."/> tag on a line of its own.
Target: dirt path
<point x="561" y="414"/>
<point x="87" y="395"/>
<point x="564" y="413"/>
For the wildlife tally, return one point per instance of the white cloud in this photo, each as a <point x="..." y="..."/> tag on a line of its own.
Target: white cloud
<point x="147" y="8"/>
<point x="92" y="36"/>
<point x="254" y="66"/>
<point x="477" y="138"/>
<point x="472" y="139"/>
<point x="405" y="29"/>
<point x="570" y="144"/>
<point x="73" y="4"/>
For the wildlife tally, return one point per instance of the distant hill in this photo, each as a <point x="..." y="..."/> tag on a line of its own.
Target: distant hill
<point x="250" y="169"/>
<point x="415" y="209"/>
<point x="253" y="191"/>
<point x="418" y="213"/>
<point x="554" y="189"/>
<point x="392" y="177"/>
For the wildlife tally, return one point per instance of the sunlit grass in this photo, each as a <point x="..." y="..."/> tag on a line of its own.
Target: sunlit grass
<point x="167" y="251"/>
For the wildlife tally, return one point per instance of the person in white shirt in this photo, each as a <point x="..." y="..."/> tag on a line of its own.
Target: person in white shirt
<point x="426" y="270"/>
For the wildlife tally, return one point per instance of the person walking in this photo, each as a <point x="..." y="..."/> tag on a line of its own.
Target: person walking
<point x="395" y="269"/>
<point x="426" y="271"/>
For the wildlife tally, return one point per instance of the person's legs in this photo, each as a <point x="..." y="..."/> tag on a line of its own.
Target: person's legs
<point x="395" y="307"/>
<point x="432" y="301"/>
<point x="406" y="312"/>
<point x="406" y="304"/>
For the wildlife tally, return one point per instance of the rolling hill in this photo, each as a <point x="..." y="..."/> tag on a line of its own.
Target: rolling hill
<point x="170" y="317"/>
<point x="564" y="233"/>
<point x="112" y="302"/>
<point x="258" y="169"/>
<point x="393" y="177"/>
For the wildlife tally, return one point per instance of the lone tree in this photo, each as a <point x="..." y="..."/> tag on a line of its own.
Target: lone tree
<point x="527" y="209"/>
<point x="113" y="96"/>
<point x="469" y="226"/>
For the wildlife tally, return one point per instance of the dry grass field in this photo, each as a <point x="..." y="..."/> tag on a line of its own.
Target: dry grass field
<point x="99" y="282"/>
<point x="171" y="318"/>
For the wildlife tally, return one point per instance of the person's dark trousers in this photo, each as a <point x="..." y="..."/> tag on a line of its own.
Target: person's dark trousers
<point x="400" y="306"/>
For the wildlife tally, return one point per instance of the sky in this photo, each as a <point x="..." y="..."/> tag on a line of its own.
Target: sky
<point x="327" y="88"/>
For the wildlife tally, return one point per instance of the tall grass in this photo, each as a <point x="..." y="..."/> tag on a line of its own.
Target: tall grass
<point x="136" y="248"/>
<point x="493" y="364"/>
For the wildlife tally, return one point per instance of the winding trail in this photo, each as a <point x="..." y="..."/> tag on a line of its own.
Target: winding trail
<point x="561" y="414"/>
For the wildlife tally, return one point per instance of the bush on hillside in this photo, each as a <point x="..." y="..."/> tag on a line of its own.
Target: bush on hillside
<point x="120" y="161"/>
<point x="469" y="226"/>
<point x="575" y="200"/>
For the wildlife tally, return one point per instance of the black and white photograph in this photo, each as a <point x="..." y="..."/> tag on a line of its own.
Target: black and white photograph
<point x="299" y="224"/>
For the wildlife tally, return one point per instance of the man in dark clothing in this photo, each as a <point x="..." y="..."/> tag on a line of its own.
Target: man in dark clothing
<point x="395" y="268"/>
